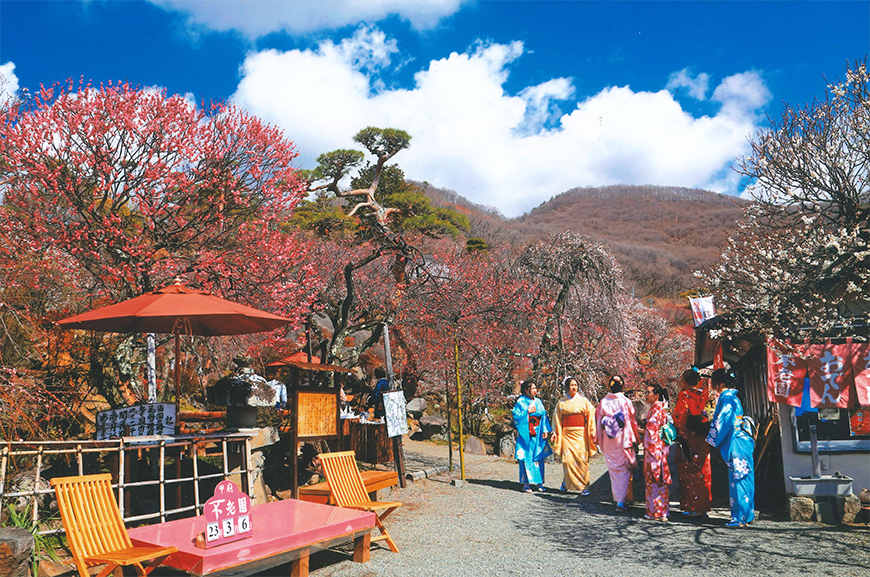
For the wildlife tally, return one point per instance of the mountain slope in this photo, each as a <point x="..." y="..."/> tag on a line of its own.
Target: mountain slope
<point x="658" y="234"/>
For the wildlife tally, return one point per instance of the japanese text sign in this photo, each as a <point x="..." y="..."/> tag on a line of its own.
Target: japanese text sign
<point x="829" y="368"/>
<point x="227" y="515"/>
<point x="785" y="375"/>
<point x="142" y="420"/>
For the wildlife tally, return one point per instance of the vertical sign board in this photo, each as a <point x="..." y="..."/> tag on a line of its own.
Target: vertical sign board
<point x="396" y="413"/>
<point x="142" y="420"/>
<point x="227" y="515"/>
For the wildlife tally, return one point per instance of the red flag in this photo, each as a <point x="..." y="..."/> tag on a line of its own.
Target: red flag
<point x="830" y="370"/>
<point x="785" y="375"/>
<point x="861" y="371"/>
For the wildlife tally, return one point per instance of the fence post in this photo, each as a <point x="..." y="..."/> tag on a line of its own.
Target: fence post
<point x="195" y="478"/>
<point x="35" y="512"/>
<point x="162" y="478"/>
<point x="121" y="477"/>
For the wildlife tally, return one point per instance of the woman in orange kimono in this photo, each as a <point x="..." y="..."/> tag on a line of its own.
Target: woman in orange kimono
<point x="573" y="437"/>
<point x="693" y="460"/>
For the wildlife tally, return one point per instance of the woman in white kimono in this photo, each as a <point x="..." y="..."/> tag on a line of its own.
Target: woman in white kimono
<point x="617" y="434"/>
<point x="573" y="437"/>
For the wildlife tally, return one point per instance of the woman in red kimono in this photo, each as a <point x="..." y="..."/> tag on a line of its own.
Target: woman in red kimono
<point x="656" y="472"/>
<point x="693" y="460"/>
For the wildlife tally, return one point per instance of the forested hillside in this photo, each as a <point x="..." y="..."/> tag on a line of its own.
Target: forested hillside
<point x="658" y="234"/>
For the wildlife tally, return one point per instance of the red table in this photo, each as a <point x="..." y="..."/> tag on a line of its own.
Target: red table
<point x="283" y="531"/>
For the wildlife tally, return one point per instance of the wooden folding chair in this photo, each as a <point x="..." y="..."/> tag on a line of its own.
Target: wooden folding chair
<point x="95" y="529"/>
<point x="348" y="490"/>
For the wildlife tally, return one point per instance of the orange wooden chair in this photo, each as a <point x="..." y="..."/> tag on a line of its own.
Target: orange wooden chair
<point x="349" y="491"/>
<point x="95" y="529"/>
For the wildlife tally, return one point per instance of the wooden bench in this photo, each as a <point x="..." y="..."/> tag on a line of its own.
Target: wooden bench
<point x="373" y="480"/>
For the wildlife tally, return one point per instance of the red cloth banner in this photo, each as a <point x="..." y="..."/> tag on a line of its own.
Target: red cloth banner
<point x="785" y="376"/>
<point x="829" y="368"/>
<point x="861" y="371"/>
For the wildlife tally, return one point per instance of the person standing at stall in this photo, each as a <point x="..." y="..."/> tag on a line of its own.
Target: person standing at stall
<point x="693" y="458"/>
<point x="617" y="433"/>
<point x="732" y="433"/>
<point x="573" y="437"/>
<point x="533" y="428"/>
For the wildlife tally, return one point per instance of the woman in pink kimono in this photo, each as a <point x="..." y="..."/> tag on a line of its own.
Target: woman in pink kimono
<point x="617" y="433"/>
<point x="656" y="472"/>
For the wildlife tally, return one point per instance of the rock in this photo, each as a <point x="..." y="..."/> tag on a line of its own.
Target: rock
<point x="432" y="425"/>
<point x="848" y="507"/>
<point x="801" y="508"/>
<point x="16" y="548"/>
<point x="49" y="568"/>
<point x="26" y="482"/>
<point x="507" y="446"/>
<point x="825" y="513"/>
<point x="416" y="407"/>
<point x="474" y="446"/>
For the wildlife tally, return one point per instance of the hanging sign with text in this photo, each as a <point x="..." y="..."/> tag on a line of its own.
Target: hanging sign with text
<point x="227" y="515"/>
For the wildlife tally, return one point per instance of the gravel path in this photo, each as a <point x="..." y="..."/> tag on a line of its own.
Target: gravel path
<point x="487" y="527"/>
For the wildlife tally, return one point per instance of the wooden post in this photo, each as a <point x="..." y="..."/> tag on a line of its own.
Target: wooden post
<point x="449" y="427"/>
<point x="294" y="434"/>
<point x="398" y="451"/>
<point x="459" y="405"/>
<point x="177" y="374"/>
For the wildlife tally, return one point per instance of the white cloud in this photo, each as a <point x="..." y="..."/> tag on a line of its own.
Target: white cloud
<point x="697" y="86"/>
<point x="255" y="18"/>
<point x="8" y="83"/>
<point x="509" y="151"/>
<point x="742" y="94"/>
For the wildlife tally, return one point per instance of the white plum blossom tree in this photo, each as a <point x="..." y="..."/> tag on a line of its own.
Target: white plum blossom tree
<point x="799" y="264"/>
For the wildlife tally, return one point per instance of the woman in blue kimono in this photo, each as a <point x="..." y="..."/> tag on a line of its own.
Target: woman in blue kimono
<point x="533" y="428"/>
<point x="732" y="433"/>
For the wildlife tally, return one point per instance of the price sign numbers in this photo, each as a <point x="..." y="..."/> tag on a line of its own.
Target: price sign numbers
<point x="227" y="515"/>
<point x="212" y="532"/>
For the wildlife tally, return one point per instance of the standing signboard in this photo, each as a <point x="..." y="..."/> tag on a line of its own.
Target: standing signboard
<point x="396" y="413"/>
<point x="140" y="420"/>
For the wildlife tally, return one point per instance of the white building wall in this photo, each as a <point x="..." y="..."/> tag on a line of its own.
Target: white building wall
<point x="794" y="464"/>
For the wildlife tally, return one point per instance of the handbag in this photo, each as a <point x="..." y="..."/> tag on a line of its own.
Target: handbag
<point x="668" y="433"/>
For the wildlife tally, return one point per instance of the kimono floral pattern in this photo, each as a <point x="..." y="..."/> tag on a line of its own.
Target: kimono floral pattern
<point x="731" y="433"/>
<point x="656" y="472"/>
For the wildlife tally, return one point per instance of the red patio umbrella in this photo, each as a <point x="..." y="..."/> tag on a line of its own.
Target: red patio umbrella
<point x="177" y="309"/>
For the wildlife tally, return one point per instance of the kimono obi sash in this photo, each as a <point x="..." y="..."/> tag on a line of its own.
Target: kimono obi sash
<point x="534" y="421"/>
<point x="574" y="420"/>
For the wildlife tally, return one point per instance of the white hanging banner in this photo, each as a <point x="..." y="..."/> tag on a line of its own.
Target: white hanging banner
<point x="702" y="309"/>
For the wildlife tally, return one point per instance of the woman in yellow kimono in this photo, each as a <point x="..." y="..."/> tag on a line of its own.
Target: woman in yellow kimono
<point x="573" y="436"/>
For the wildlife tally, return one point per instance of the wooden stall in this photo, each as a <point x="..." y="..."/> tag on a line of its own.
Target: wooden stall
<point x="369" y="441"/>
<point x="314" y="402"/>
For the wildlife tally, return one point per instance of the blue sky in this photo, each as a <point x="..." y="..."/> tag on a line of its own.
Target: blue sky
<point x="508" y="103"/>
